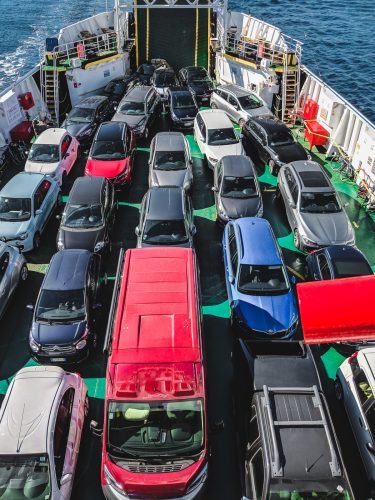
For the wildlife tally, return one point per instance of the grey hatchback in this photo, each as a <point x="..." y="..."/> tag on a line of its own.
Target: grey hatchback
<point x="166" y="218"/>
<point x="236" y="189"/>
<point x="313" y="208"/>
<point x="170" y="161"/>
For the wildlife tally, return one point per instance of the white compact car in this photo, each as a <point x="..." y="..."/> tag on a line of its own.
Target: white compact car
<point x="53" y="153"/>
<point x="355" y="386"/>
<point x="41" y="421"/>
<point x="215" y="136"/>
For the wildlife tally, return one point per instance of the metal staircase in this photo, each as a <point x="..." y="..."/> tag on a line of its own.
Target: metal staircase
<point x="49" y="83"/>
<point x="290" y="83"/>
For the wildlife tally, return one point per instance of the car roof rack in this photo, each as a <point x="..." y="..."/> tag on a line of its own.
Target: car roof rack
<point x="276" y="467"/>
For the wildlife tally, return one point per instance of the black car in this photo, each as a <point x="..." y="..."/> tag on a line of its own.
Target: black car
<point x="63" y="327"/>
<point x="84" y="118"/>
<point x="88" y="216"/>
<point x="162" y="79"/>
<point x="273" y="142"/>
<point x="198" y="81"/>
<point x="117" y="88"/>
<point x="144" y="73"/>
<point x="236" y="189"/>
<point x="337" y="261"/>
<point x="286" y="440"/>
<point x="183" y="107"/>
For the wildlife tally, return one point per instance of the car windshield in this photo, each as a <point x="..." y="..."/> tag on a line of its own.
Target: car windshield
<point x="222" y="137"/>
<point x="183" y="101"/>
<point x="199" y="77"/>
<point x="108" y="150"/>
<point x="46" y="153"/>
<point x="262" y="280"/>
<point x="280" y="138"/>
<point x="132" y="108"/>
<point x="164" y="232"/>
<point x="312" y="490"/>
<point x="238" y="187"/>
<point x="15" y="209"/>
<point x="345" y="268"/>
<point x="81" y="115"/>
<point x="61" y="305"/>
<point x="83" y="216"/>
<point x="170" y="160"/>
<point x="25" y="476"/>
<point x="155" y="428"/>
<point x="250" y="101"/>
<point x="146" y="69"/>
<point x="320" y="203"/>
<point x="164" y="79"/>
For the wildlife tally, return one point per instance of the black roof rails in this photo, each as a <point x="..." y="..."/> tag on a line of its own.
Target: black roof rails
<point x="276" y="467"/>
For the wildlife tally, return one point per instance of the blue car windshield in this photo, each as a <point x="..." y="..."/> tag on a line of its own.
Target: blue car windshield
<point x="25" y="476"/>
<point x="61" y="305"/>
<point x="262" y="280"/>
<point x="15" y="209"/>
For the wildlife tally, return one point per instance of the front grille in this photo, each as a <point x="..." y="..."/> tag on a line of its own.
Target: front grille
<point x="58" y="349"/>
<point x="150" y="468"/>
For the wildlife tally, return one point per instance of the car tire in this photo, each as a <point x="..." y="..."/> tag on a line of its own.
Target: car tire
<point x="297" y="240"/>
<point x="338" y="390"/>
<point x="272" y="167"/>
<point x="23" y="273"/>
<point x="36" y="241"/>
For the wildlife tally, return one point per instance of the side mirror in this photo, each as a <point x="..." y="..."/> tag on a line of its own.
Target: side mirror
<point x="214" y="189"/>
<point x="95" y="429"/>
<point x="137" y="231"/>
<point x="193" y="230"/>
<point x="65" y="479"/>
<point x="30" y="307"/>
<point x="371" y="448"/>
<point x="217" y="426"/>
<point x="38" y="212"/>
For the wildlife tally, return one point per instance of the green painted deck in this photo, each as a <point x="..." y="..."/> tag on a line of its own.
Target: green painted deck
<point x="224" y="482"/>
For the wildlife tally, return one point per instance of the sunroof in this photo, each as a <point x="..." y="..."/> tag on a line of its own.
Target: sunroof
<point x="313" y="178"/>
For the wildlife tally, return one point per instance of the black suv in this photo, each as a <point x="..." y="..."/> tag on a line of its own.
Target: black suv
<point x="88" y="216"/>
<point x="84" y="118"/>
<point x="63" y="328"/>
<point x="273" y="142"/>
<point x="287" y="443"/>
<point x="198" y="81"/>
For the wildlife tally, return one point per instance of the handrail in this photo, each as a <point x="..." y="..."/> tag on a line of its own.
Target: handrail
<point x="112" y="311"/>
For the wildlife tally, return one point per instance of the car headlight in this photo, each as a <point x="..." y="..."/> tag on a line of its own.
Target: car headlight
<point x="112" y="481"/>
<point x="81" y="344"/>
<point x="307" y="241"/>
<point x="34" y="346"/>
<point x="23" y="236"/>
<point x="99" y="246"/>
<point x="199" y="479"/>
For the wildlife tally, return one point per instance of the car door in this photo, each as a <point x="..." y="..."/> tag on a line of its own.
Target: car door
<point x="5" y="279"/>
<point x="262" y="145"/>
<point x="324" y="269"/>
<point x="42" y="206"/>
<point x="218" y="177"/>
<point x="290" y="196"/>
<point x="233" y="107"/>
<point x="222" y="99"/>
<point x="68" y="153"/>
<point x="190" y="218"/>
<point x="201" y="134"/>
<point x="151" y="105"/>
<point x="231" y="261"/>
<point x="65" y="429"/>
<point x="251" y="132"/>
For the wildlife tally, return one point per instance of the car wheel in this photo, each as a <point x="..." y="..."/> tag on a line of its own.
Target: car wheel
<point x="36" y="241"/>
<point x="24" y="273"/>
<point x="272" y="167"/>
<point x="338" y="390"/>
<point x="297" y="240"/>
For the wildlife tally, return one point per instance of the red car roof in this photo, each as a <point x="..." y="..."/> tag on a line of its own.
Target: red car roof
<point x="337" y="310"/>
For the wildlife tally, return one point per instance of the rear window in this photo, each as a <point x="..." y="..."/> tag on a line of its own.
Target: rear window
<point x="354" y="267"/>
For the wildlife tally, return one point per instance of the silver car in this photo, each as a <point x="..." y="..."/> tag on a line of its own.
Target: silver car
<point x="170" y="161"/>
<point x="239" y="104"/>
<point x="13" y="270"/>
<point x="313" y="207"/>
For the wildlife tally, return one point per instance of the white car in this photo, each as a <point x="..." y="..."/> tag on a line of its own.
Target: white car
<point x="215" y="136"/>
<point x="41" y="421"/>
<point x="53" y="153"/>
<point x="355" y="386"/>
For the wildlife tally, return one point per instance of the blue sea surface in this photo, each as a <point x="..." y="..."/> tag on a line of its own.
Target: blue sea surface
<point x="338" y="37"/>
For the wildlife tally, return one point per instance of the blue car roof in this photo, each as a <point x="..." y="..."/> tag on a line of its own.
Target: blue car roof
<point x="22" y="185"/>
<point x="258" y="242"/>
<point x="67" y="270"/>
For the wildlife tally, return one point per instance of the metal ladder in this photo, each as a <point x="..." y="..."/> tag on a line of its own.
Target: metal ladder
<point x="290" y="86"/>
<point x="49" y="83"/>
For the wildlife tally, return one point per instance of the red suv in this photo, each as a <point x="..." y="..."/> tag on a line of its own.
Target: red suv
<point x="111" y="153"/>
<point x="155" y="429"/>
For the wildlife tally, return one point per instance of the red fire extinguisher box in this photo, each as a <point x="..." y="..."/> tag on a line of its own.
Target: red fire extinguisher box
<point x="26" y="100"/>
<point x="22" y="132"/>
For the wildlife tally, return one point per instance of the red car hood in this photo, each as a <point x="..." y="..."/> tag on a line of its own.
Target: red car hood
<point x="107" y="169"/>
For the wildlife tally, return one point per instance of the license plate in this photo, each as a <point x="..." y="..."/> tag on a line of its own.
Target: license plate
<point x="58" y="360"/>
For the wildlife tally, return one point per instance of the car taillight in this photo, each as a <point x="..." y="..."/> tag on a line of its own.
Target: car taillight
<point x="354" y="355"/>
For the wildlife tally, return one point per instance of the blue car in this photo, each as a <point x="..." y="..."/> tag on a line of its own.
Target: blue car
<point x="27" y="202"/>
<point x="263" y="305"/>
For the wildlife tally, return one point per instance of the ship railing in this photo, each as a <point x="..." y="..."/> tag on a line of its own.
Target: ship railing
<point x="86" y="47"/>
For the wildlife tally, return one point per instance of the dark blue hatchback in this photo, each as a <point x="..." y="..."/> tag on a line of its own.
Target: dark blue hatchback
<point x="63" y="328"/>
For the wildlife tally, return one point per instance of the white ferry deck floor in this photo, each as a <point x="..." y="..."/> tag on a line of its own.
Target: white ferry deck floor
<point x="224" y="483"/>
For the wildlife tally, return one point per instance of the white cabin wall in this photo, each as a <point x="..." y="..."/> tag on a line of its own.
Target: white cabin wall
<point x="92" y="24"/>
